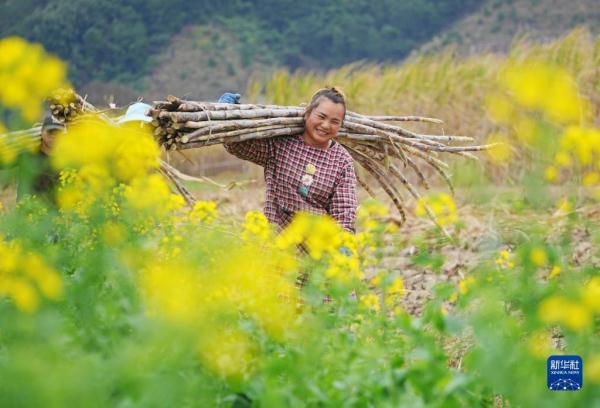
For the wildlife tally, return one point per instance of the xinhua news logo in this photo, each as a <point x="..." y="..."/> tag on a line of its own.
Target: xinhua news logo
<point x="565" y="373"/>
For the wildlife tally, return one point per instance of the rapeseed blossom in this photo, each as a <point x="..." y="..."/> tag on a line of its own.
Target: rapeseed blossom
<point x="592" y="368"/>
<point x="122" y="153"/>
<point x="579" y="149"/>
<point x="393" y="295"/>
<point x="370" y="213"/>
<point x="501" y="151"/>
<point x="256" y="226"/>
<point x="230" y="353"/>
<point x="539" y="344"/>
<point x="370" y="301"/>
<point x="8" y="152"/>
<point x="28" y="75"/>
<point x="172" y="290"/>
<point x="539" y="86"/>
<point x="244" y="283"/>
<point x="320" y="234"/>
<point x="557" y="309"/>
<point x="441" y="205"/>
<point x="24" y="276"/>
<point x="538" y="256"/>
<point x="590" y="294"/>
<point x="554" y="272"/>
<point x="465" y="285"/>
<point x="504" y="259"/>
<point x="344" y="268"/>
<point x="151" y="194"/>
<point x="204" y="211"/>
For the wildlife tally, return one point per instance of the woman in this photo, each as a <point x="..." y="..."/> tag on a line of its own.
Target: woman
<point x="309" y="172"/>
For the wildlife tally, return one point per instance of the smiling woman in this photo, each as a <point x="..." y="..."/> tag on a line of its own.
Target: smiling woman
<point x="308" y="172"/>
<point x="323" y="118"/>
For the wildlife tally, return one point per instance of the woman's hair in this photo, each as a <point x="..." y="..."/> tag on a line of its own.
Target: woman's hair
<point x="331" y="93"/>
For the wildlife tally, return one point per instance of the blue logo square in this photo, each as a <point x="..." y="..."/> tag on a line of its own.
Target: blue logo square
<point x="565" y="373"/>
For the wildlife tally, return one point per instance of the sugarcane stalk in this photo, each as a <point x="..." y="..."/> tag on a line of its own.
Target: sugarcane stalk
<point x="381" y="179"/>
<point x="366" y="187"/>
<point x="402" y="119"/>
<point x="229" y="114"/>
<point x="185" y="193"/>
<point x="285" y="131"/>
<point x="226" y="125"/>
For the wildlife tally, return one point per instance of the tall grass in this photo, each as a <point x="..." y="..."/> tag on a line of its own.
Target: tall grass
<point x="443" y="85"/>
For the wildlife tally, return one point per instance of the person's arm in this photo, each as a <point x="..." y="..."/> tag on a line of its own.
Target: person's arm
<point x="257" y="151"/>
<point x="343" y="202"/>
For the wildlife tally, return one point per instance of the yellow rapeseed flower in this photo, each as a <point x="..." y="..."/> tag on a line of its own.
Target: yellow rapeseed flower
<point x="538" y="257"/>
<point x="500" y="108"/>
<point x="577" y="317"/>
<point x="321" y="234"/>
<point x="592" y="368"/>
<point x="376" y="280"/>
<point x="504" y="259"/>
<point x="152" y="194"/>
<point x="371" y="302"/>
<point x="590" y="179"/>
<point x="8" y="152"/>
<point x="24" y="295"/>
<point x="229" y="353"/>
<point x="464" y="286"/>
<point x="539" y="344"/>
<point x="171" y="291"/>
<point x="526" y="129"/>
<point x="564" y="207"/>
<point x="370" y="213"/>
<point x="551" y="310"/>
<point x="21" y="272"/>
<point x="28" y="76"/>
<point x="343" y="268"/>
<point x="557" y="309"/>
<point x="46" y="278"/>
<point x="123" y="153"/>
<point x="562" y="159"/>
<point x="256" y="226"/>
<point x="441" y="205"/>
<point x="590" y="294"/>
<point x="113" y="233"/>
<point x="551" y="174"/>
<point x="204" y="211"/>
<point x="550" y="89"/>
<point x="555" y="272"/>
<point x="501" y="151"/>
<point x="396" y="287"/>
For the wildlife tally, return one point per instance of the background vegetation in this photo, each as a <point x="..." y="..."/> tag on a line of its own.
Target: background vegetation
<point x="103" y="42"/>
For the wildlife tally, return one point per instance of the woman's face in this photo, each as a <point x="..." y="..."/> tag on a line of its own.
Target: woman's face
<point x="48" y="137"/>
<point x="323" y="123"/>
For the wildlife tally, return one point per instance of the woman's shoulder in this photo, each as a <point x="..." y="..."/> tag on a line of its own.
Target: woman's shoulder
<point x="341" y="153"/>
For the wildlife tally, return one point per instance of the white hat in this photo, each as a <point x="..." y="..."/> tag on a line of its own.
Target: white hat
<point x="136" y="112"/>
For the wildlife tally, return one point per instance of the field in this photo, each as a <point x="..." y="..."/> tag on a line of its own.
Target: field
<point x="120" y="295"/>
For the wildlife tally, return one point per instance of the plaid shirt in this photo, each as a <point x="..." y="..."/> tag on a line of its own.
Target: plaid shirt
<point x="288" y="164"/>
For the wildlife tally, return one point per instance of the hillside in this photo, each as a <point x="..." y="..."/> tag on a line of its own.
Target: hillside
<point x="106" y="44"/>
<point x="150" y="48"/>
<point x="201" y="62"/>
<point x="495" y="25"/>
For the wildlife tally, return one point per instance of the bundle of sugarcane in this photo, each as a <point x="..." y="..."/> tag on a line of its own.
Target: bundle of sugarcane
<point x="65" y="105"/>
<point x="12" y="143"/>
<point x="384" y="149"/>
